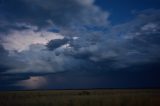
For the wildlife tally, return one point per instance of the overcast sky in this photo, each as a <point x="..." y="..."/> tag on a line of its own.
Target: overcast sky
<point x="74" y="44"/>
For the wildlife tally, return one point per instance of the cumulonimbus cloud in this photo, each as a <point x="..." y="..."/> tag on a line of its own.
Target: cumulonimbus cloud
<point x="97" y="47"/>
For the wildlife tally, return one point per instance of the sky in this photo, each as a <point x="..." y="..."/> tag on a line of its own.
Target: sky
<point x="79" y="44"/>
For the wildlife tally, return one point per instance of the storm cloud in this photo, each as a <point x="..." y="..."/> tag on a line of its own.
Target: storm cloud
<point x="59" y="13"/>
<point x="52" y="36"/>
<point x="119" y="46"/>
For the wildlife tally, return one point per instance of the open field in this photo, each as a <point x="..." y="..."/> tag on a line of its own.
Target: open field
<point x="113" y="97"/>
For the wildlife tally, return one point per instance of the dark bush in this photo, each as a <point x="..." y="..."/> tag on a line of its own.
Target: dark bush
<point x="84" y="93"/>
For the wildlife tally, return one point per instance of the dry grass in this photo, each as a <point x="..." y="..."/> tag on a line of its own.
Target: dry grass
<point x="81" y="98"/>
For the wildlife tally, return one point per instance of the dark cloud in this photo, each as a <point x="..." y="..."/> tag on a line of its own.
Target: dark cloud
<point x="4" y="58"/>
<point x="62" y="13"/>
<point x="53" y="44"/>
<point x="85" y="42"/>
<point x="3" y="52"/>
<point x="139" y="76"/>
<point x="120" y="46"/>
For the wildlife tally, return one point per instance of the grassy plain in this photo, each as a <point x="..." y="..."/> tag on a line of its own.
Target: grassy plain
<point x="108" y="97"/>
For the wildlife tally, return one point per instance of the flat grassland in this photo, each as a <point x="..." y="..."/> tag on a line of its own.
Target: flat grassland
<point x="110" y="97"/>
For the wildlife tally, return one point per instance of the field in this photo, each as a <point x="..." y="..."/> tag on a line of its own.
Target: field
<point x="108" y="97"/>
